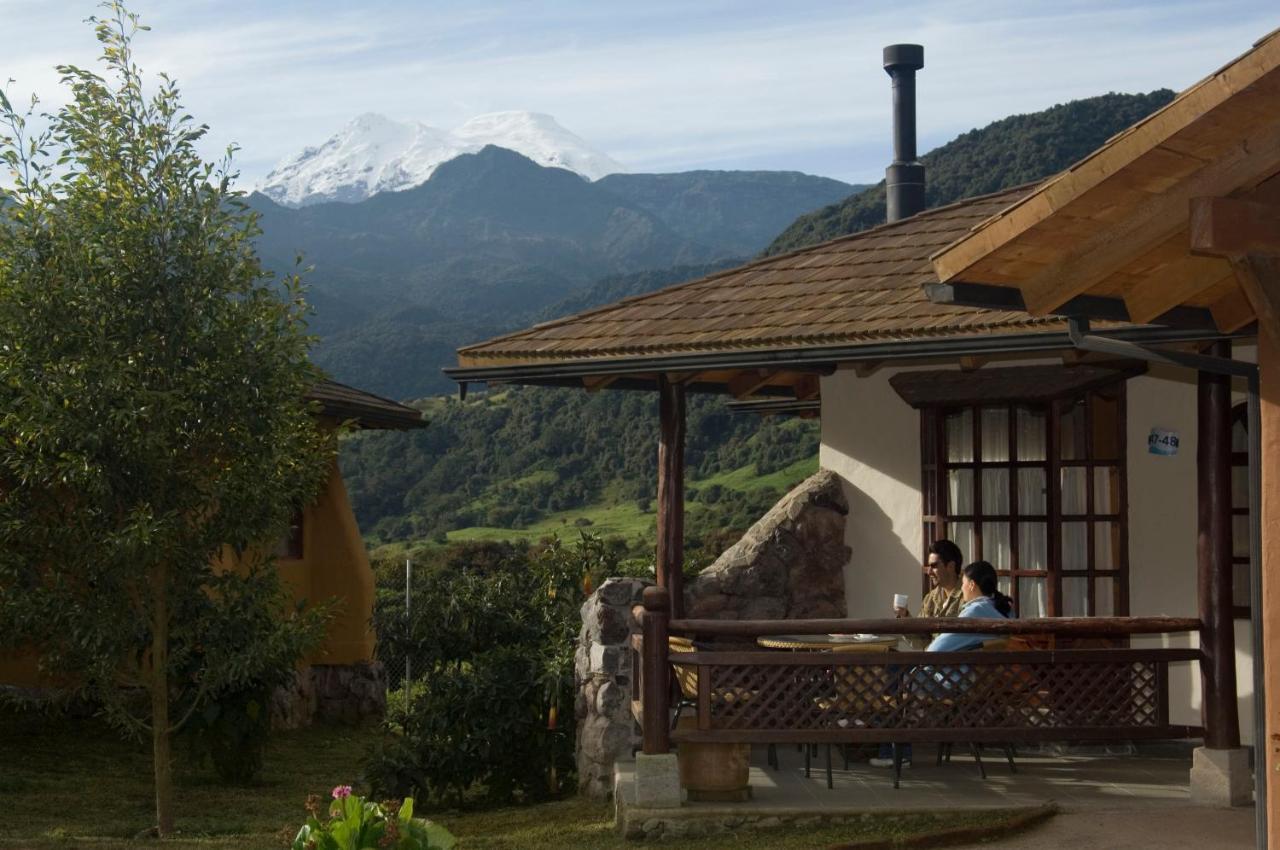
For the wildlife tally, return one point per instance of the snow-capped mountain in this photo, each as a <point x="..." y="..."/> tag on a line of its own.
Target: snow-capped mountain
<point x="375" y="154"/>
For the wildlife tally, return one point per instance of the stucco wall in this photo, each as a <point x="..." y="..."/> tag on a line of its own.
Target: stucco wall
<point x="871" y="439"/>
<point x="334" y="567"/>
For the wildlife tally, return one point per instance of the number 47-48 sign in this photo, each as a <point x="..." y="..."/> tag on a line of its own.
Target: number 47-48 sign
<point x="1162" y="442"/>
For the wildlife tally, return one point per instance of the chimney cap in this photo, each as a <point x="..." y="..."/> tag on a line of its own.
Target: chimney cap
<point x="903" y="57"/>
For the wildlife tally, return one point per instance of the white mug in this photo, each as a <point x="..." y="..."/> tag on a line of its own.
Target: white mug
<point x="900" y="600"/>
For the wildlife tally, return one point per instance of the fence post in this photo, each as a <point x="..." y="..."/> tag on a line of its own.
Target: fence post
<point x="657" y="685"/>
<point x="408" y="624"/>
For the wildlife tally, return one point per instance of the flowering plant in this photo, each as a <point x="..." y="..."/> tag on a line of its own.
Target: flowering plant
<point x="355" y="824"/>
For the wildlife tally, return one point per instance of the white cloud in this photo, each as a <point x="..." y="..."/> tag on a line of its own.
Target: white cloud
<point x="661" y="86"/>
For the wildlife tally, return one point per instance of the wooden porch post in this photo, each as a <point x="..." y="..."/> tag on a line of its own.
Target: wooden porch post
<point x="670" y="555"/>
<point x="1269" y="605"/>
<point x="656" y="673"/>
<point x="1213" y="550"/>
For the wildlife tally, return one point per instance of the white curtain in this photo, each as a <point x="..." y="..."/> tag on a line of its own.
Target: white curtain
<point x="959" y="443"/>
<point x="1033" y="537"/>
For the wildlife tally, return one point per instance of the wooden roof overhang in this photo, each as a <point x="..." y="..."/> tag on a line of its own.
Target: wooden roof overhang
<point x="1154" y="223"/>
<point x="366" y="410"/>
<point x="770" y="328"/>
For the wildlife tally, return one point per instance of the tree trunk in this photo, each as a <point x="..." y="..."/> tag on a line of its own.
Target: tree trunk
<point x="160" y="750"/>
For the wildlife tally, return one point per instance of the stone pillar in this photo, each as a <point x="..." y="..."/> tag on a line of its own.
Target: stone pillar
<point x="606" y="731"/>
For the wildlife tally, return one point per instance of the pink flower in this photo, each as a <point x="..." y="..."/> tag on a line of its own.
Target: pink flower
<point x="341" y="792"/>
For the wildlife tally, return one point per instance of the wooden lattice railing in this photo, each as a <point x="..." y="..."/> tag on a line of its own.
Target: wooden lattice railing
<point x="758" y="696"/>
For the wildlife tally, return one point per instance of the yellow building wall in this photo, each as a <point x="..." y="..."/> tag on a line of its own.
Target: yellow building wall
<point x="334" y="567"/>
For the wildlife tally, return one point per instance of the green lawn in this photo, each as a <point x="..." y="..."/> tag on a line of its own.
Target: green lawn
<point x="626" y="520"/>
<point x="609" y="518"/>
<point x="73" y="783"/>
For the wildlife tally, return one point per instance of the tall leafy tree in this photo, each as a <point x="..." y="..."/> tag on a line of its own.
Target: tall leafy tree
<point x="152" y="417"/>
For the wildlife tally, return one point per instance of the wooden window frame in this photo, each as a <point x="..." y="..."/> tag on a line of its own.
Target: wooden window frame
<point x="291" y="546"/>
<point x="1239" y="460"/>
<point x="935" y="469"/>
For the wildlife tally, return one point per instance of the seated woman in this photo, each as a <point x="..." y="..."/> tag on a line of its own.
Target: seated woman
<point x="982" y="599"/>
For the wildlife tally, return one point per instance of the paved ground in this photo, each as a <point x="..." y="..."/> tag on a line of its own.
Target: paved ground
<point x="1167" y="829"/>
<point x="1106" y="801"/>
<point x="1073" y="782"/>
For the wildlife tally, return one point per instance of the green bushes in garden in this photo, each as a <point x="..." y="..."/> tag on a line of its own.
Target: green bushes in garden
<point x="488" y="714"/>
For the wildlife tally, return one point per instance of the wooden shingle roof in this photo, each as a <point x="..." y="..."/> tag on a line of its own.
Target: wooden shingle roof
<point x="863" y="288"/>
<point x="367" y="410"/>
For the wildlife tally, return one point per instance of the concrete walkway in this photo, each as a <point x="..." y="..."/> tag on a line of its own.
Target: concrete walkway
<point x="1073" y="782"/>
<point x="1168" y="829"/>
<point x="1107" y="800"/>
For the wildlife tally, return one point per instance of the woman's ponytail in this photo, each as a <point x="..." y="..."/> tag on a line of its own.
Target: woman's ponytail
<point x="983" y="575"/>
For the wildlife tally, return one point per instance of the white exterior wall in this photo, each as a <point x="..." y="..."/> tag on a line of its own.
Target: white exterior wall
<point x="871" y="439"/>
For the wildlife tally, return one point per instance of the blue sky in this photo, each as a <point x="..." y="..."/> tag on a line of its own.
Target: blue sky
<point x="661" y="86"/>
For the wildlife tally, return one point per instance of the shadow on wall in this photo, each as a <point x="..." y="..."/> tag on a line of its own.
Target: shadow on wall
<point x="881" y="564"/>
<point x="871" y="439"/>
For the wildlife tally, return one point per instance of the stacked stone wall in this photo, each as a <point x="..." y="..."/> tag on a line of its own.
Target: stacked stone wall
<point x="605" y="728"/>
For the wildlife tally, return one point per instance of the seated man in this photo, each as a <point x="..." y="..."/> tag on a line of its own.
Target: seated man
<point x="943" y="600"/>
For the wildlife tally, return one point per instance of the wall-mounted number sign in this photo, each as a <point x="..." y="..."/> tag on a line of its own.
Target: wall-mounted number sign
<point x="1162" y="442"/>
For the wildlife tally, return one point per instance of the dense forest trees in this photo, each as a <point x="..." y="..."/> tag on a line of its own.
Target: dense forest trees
<point x="508" y="459"/>
<point x="1005" y="153"/>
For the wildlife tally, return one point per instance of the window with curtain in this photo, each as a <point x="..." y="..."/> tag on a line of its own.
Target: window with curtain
<point x="1038" y="490"/>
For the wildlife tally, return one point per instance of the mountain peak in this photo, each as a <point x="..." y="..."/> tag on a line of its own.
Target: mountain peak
<point x="373" y="153"/>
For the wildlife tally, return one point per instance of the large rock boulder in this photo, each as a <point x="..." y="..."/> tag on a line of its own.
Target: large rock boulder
<point x="789" y="565"/>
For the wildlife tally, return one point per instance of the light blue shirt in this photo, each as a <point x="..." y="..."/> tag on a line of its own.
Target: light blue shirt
<point x="981" y="608"/>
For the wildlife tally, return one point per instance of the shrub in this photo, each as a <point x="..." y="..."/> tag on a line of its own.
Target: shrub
<point x="492" y="643"/>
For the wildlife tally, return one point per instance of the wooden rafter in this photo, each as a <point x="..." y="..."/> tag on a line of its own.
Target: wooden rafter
<point x="1232" y="311"/>
<point x="1222" y="227"/>
<point x="1259" y="279"/>
<point x="596" y="384"/>
<point x="1159" y="218"/>
<point x="747" y="382"/>
<point x="806" y="387"/>
<point x="1166" y="289"/>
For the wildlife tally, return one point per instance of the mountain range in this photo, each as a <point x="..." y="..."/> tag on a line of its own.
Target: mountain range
<point x="492" y="238"/>
<point x="373" y="154"/>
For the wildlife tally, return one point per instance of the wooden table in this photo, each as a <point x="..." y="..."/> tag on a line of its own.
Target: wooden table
<point x="842" y="643"/>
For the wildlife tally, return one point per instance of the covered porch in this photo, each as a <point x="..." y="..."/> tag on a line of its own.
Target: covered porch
<point x="1137" y="582"/>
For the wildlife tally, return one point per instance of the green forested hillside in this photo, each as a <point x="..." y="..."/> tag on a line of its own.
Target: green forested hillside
<point x="1003" y="154"/>
<point x="737" y="211"/>
<point x="511" y="459"/>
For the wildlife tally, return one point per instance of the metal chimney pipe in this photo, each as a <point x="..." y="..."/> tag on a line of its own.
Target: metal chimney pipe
<point x="904" y="179"/>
